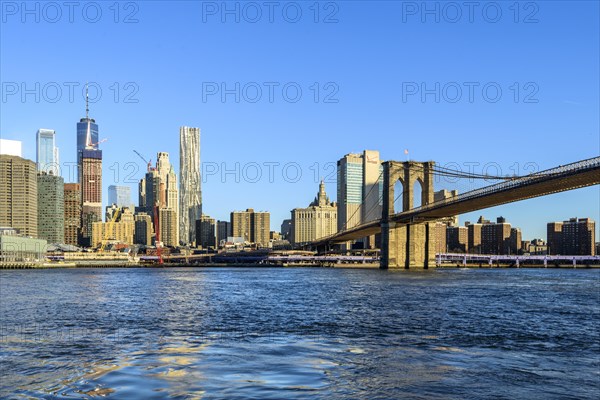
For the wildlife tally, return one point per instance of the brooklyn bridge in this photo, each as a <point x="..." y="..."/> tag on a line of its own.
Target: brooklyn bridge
<point x="407" y="236"/>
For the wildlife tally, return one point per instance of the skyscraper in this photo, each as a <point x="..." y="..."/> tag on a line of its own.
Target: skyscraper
<point x="360" y="188"/>
<point x="47" y="152"/>
<point x="90" y="177"/>
<point x="72" y="197"/>
<point x="18" y="195"/>
<point x="51" y="208"/>
<point x="119" y="195"/>
<point x="349" y="191"/>
<point x="89" y="174"/>
<point x="87" y="135"/>
<point x="159" y="189"/>
<point x="190" y="201"/>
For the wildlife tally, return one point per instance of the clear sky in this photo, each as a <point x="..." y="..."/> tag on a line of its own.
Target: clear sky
<point x="496" y="84"/>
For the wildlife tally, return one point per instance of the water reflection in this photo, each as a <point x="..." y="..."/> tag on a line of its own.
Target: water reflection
<point x="299" y="333"/>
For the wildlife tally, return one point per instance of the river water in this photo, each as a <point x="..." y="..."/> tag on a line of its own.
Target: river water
<point x="300" y="333"/>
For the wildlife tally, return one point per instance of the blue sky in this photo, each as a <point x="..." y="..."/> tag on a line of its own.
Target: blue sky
<point x="370" y="62"/>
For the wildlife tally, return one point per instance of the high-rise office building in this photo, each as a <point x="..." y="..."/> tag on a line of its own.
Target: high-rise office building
<point x="91" y="192"/>
<point x="47" y="152"/>
<point x="349" y="191"/>
<point x="223" y="230"/>
<point x="170" y="192"/>
<point x="87" y="136"/>
<point x="89" y="175"/>
<point x="190" y="191"/>
<point x="72" y="207"/>
<point x="159" y="189"/>
<point x="51" y="208"/>
<point x="169" y="230"/>
<point x="359" y="190"/>
<point x="143" y="229"/>
<point x="205" y="232"/>
<point x="372" y="186"/>
<point x="318" y="220"/>
<point x="119" y="195"/>
<point x="19" y="195"/>
<point x="253" y="226"/>
<point x="573" y="237"/>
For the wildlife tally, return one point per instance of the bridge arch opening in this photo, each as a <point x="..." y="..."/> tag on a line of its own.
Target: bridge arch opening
<point x="417" y="193"/>
<point x="398" y="196"/>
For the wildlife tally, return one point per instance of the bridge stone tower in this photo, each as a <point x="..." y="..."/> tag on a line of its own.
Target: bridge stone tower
<point x="406" y="245"/>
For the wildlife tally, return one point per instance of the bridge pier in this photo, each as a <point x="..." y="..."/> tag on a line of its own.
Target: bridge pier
<point x="406" y="245"/>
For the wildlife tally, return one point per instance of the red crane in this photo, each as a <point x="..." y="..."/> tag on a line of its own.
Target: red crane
<point x="149" y="163"/>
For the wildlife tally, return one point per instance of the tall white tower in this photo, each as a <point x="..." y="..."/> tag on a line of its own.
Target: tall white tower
<point x="190" y="192"/>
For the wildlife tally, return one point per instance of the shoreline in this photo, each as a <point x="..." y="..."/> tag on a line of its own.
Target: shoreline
<point x="19" y="266"/>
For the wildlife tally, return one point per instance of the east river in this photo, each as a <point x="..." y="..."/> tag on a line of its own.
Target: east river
<point x="259" y="333"/>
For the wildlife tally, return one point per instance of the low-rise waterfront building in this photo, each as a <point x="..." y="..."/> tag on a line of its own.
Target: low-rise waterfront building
<point x="15" y="248"/>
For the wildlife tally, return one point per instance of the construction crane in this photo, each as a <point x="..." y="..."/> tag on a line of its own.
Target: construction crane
<point x="149" y="163"/>
<point x="96" y="144"/>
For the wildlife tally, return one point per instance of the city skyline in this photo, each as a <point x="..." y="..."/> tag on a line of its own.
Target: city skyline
<point x="505" y="136"/>
<point x="163" y="163"/>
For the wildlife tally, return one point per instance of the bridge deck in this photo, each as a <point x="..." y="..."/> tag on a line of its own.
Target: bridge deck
<point x="568" y="177"/>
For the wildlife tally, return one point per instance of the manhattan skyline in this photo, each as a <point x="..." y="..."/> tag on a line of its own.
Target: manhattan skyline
<point x="387" y="56"/>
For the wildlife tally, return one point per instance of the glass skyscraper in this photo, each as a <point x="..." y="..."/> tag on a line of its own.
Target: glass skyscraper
<point x="360" y="190"/>
<point x="87" y="134"/>
<point x="350" y="191"/>
<point x="47" y="152"/>
<point x="119" y="195"/>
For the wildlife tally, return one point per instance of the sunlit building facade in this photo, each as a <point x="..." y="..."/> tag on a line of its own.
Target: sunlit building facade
<point x="190" y="191"/>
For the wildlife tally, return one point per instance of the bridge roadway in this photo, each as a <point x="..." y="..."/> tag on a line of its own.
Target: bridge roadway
<point x="568" y="177"/>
